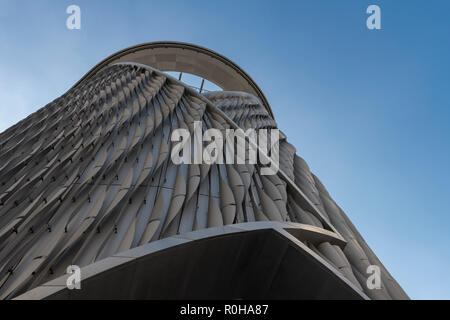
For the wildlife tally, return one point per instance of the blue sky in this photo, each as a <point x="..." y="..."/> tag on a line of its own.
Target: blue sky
<point x="368" y="110"/>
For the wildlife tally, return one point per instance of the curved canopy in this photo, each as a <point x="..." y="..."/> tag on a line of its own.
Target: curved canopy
<point x="187" y="267"/>
<point x="188" y="58"/>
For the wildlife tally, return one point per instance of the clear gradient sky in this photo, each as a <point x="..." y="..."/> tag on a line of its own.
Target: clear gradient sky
<point x="368" y="110"/>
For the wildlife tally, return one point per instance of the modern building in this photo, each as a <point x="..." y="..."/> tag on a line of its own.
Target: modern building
<point x="88" y="181"/>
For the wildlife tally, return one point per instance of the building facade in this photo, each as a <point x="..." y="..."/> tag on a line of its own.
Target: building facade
<point x="88" y="181"/>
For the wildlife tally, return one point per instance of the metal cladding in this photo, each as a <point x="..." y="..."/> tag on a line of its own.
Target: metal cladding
<point x="90" y="175"/>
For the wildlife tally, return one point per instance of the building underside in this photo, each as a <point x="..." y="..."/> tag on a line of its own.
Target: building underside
<point x="88" y="180"/>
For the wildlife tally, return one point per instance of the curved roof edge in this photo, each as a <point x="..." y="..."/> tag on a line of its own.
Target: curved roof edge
<point x="189" y="58"/>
